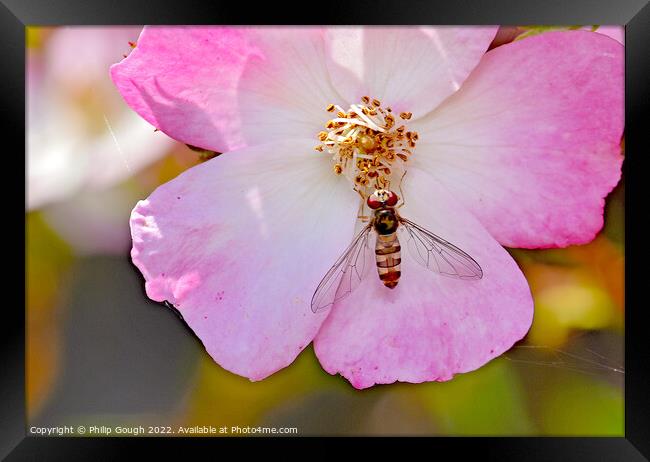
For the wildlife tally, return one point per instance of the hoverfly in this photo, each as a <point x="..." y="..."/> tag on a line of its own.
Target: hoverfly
<point x="429" y="250"/>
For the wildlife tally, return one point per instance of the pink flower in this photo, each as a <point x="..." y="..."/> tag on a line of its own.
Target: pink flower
<point x="517" y="146"/>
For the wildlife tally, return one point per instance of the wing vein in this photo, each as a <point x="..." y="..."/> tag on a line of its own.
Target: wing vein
<point x="345" y="275"/>
<point x="438" y="251"/>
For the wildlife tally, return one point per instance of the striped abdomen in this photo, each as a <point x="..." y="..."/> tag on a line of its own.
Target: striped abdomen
<point x="389" y="257"/>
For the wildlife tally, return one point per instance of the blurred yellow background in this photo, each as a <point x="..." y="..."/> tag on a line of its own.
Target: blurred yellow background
<point x="100" y="353"/>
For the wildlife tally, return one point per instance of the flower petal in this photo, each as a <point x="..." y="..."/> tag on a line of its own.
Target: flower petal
<point x="183" y="80"/>
<point x="531" y="142"/>
<point x="239" y="244"/>
<point x="409" y="69"/>
<point x="615" y="32"/>
<point x="285" y="92"/>
<point x="222" y="88"/>
<point x="429" y="327"/>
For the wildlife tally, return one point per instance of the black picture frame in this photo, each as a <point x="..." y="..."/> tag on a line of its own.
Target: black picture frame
<point x="15" y="15"/>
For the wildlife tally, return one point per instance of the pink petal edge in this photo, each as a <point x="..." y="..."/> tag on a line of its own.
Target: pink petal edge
<point x="238" y="244"/>
<point x="223" y="88"/>
<point x="531" y="143"/>
<point x="429" y="327"/>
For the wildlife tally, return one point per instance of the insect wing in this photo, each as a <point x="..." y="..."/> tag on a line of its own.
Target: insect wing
<point x="439" y="255"/>
<point x="346" y="274"/>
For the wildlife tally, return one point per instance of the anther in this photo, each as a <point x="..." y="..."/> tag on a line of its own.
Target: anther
<point x="364" y="143"/>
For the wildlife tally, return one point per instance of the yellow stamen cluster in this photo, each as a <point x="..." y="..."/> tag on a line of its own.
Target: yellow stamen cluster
<point x="367" y="143"/>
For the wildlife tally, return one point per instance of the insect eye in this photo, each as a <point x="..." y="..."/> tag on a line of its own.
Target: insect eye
<point x="392" y="199"/>
<point x="374" y="202"/>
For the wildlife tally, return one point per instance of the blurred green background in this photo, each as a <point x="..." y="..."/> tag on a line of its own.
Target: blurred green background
<point x="100" y="353"/>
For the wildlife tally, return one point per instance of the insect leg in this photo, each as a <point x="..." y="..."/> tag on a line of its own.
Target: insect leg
<point x="401" y="192"/>
<point x="360" y="214"/>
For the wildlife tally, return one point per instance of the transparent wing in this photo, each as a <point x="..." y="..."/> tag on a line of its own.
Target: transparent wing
<point x="438" y="255"/>
<point x="346" y="274"/>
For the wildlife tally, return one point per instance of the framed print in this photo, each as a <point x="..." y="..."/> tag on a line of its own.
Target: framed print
<point x="390" y="221"/>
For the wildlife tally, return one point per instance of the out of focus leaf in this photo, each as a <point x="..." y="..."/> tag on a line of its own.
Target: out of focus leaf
<point x="223" y="398"/>
<point x="614" y="227"/>
<point x="35" y="36"/>
<point x="48" y="259"/>
<point x="604" y="262"/>
<point x="536" y="30"/>
<point x="123" y="354"/>
<point x="584" y="295"/>
<point x="568" y="410"/>
<point x="386" y="411"/>
<point x="569" y="306"/>
<point x="488" y="401"/>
